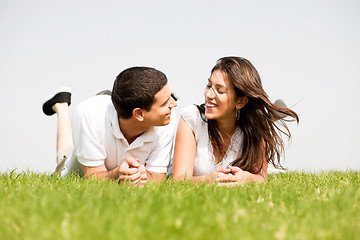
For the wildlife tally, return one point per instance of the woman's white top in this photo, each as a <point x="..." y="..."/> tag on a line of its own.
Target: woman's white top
<point x="205" y="160"/>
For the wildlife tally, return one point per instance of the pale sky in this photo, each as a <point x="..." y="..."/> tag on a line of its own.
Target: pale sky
<point x="307" y="53"/>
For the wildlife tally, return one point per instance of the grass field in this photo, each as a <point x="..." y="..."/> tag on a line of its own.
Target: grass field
<point x="289" y="206"/>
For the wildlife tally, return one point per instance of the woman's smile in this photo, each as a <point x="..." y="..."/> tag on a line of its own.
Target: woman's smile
<point x="210" y="105"/>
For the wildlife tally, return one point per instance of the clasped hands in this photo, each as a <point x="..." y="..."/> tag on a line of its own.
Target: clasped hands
<point x="229" y="176"/>
<point x="132" y="171"/>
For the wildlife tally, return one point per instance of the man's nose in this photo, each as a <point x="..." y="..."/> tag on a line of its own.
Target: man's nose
<point x="173" y="103"/>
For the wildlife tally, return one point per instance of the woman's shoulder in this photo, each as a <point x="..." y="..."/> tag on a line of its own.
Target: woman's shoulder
<point x="190" y="112"/>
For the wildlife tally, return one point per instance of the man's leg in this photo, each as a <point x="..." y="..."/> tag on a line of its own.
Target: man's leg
<point x="64" y="131"/>
<point x="59" y="104"/>
<point x="104" y="92"/>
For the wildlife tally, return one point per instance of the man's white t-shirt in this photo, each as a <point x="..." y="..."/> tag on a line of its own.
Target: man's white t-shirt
<point x="98" y="139"/>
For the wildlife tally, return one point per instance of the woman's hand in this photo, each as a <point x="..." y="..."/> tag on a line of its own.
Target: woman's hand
<point x="218" y="173"/>
<point x="235" y="175"/>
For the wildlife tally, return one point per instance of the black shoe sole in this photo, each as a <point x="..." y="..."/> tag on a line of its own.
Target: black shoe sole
<point x="58" y="98"/>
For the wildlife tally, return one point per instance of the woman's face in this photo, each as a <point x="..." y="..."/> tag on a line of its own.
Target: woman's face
<point x="220" y="97"/>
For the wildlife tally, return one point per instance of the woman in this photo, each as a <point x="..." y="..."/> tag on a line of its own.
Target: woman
<point x="235" y="134"/>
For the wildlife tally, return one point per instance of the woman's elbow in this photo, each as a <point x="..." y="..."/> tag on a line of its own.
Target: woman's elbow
<point x="178" y="177"/>
<point x="261" y="179"/>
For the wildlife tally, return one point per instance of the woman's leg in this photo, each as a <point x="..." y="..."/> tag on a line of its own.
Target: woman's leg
<point x="280" y="103"/>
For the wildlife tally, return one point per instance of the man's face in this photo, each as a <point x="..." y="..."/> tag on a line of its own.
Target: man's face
<point x="160" y="112"/>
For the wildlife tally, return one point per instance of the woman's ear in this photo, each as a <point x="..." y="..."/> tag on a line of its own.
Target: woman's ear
<point x="241" y="102"/>
<point x="138" y="114"/>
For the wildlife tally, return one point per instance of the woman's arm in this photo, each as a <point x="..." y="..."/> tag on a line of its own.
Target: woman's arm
<point x="184" y="161"/>
<point x="184" y="156"/>
<point x="184" y="152"/>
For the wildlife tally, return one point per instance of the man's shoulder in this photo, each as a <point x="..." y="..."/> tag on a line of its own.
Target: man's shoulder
<point x="93" y="110"/>
<point x="94" y="104"/>
<point x="95" y="101"/>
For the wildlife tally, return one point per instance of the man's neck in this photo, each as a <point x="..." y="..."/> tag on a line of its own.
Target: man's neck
<point x="131" y="129"/>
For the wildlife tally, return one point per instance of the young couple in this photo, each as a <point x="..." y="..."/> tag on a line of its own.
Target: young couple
<point x="128" y="136"/>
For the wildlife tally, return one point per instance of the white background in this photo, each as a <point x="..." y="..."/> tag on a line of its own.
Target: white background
<point x="307" y="53"/>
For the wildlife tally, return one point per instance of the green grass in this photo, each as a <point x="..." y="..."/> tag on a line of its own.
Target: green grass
<point x="289" y="206"/>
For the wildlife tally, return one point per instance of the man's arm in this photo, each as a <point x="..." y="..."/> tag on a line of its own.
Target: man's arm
<point x="130" y="170"/>
<point x="159" y="159"/>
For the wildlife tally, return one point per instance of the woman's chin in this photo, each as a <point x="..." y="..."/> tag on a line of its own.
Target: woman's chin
<point x="209" y="115"/>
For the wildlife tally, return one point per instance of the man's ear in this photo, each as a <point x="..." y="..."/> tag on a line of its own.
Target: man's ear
<point x="241" y="102"/>
<point x="138" y="114"/>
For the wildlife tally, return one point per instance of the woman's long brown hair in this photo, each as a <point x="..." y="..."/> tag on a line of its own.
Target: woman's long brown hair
<point x="261" y="122"/>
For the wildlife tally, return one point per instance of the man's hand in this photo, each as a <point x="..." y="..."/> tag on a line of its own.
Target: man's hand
<point x="132" y="171"/>
<point x="143" y="175"/>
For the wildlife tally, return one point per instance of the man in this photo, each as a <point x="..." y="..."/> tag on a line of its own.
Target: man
<point x="127" y="137"/>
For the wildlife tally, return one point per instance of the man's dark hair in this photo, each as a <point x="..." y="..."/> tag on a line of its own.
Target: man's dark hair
<point x="136" y="88"/>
